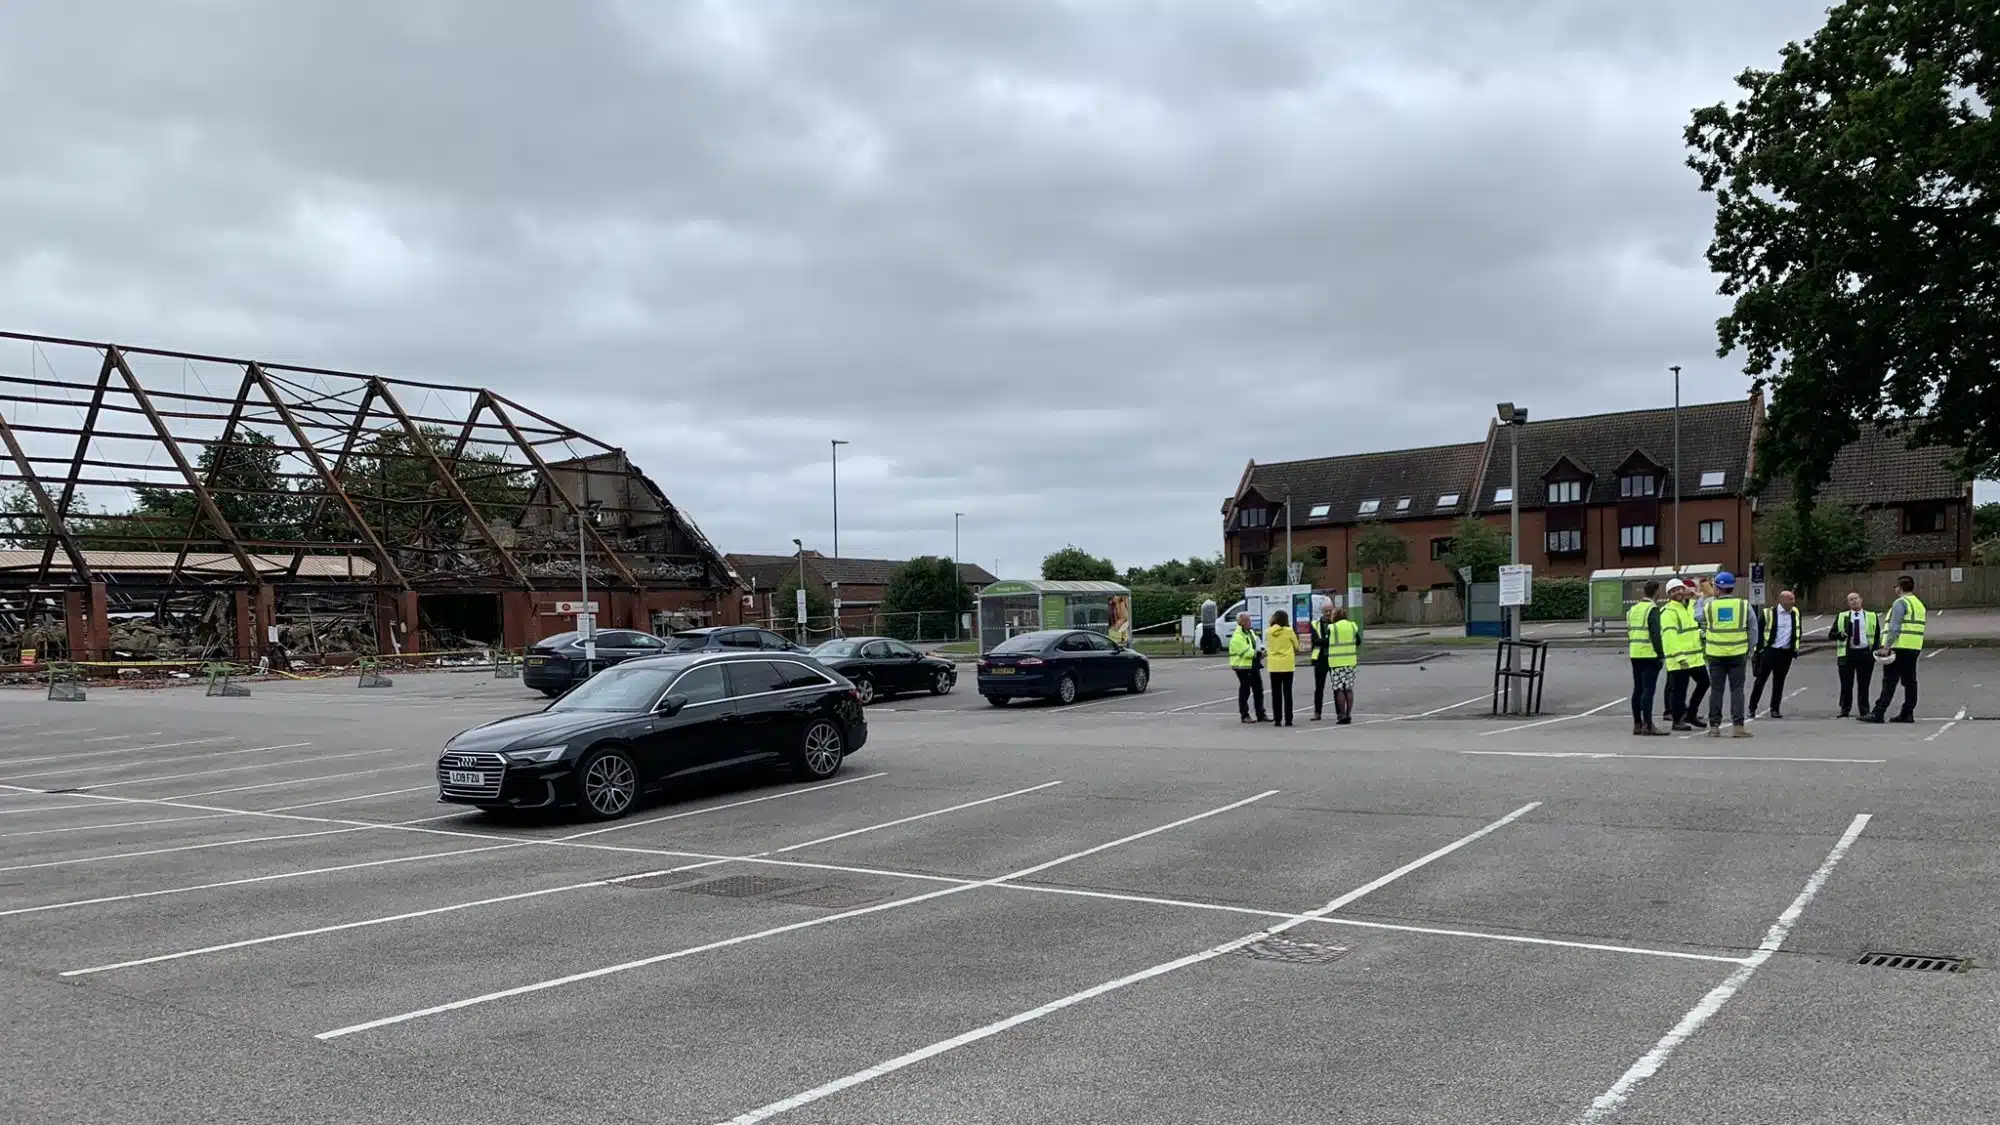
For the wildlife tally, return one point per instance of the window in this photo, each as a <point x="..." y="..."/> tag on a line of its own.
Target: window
<point x="1075" y="642"/>
<point x="1440" y="548"/>
<point x="1632" y="486"/>
<point x="1098" y="642"/>
<point x="1636" y="538"/>
<point x="702" y="685"/>
<point x="1370" y="507"/>
<point x="1319" y="511"/>
<point x="627" y="687"/>
<point x="1919" y="519"/>
<point x="1403" y="505"/>
<point x="1503" y="496"/>
<point x="1254" y="517"/>
<point x="1448" y="500"/>
<point x="1926" y="564"/>
<point x="898" y="648"/>
<point x="742" y="638"/>
<point x="796" y="675"/>
<point x="1565" y="491"/>
<point x="644" y="640"/>
<point x="875" y="650"/>
<point x="767" y="639"/>
<point x="754" y="677"/>
<point x="1565" y="542"/>
<point x="1711" y="478"/>
<point x="1711" y="531"/>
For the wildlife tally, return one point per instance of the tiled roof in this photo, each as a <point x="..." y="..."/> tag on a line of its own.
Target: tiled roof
<point x="1881" y="467"/>
<point x="1345" y="484"/>
<point x="1715" y="438"/>
<point x="773" y="570"/>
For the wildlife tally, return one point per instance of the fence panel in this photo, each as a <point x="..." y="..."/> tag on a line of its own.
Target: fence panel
<point x="1980" y="587"/>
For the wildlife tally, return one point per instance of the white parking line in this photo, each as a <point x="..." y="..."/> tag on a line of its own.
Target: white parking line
<point x="110" y="824"/>
<point x="1649" y="1064"/>
<point x="1557" y="719"/>
<point x="890" y="1066"/>
<point x="300" y="781"/>
<point x="1429" y="713"/>
<point x="253" y="879"/>
<point x="1954" y="721"/>
<point x="622" y="826"/>
<point x="9" y="763"/>
<point x="180" y="848"/>
<point x="517" y="897"/>
<point x="892" y="904"/>
<point x="1670" y="757"/>
<point x="45" y="808"/>
<point x="122" y="737"/>
<point x="193" y="773"/>
<point x="362" y="797"/>
<point x="1198" y="706"/>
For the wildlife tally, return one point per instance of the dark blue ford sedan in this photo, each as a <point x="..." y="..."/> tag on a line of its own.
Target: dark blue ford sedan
<point x="1059" y="664"/>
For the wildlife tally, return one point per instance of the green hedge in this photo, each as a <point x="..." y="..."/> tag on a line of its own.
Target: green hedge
<point x="1154" y="604"/>
<point x="1559" y="599"/>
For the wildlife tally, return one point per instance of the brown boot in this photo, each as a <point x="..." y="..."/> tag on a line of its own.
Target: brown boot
<point x="1638" y="730"/>
<point x="1741" y="732"/>
<point x="1654" y="732"/>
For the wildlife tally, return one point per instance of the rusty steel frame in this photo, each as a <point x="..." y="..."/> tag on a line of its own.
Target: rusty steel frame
<point x="284" y="418"/>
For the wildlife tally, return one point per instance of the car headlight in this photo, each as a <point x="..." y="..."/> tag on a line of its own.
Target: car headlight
<point x="538" y="754"/>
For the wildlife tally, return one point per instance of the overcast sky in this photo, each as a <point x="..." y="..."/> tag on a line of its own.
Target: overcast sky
<point x="1062" y="267"/>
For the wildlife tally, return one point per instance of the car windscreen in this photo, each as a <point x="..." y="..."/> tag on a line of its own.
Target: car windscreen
<point x="626" y="687"/>
<point x="1026" y="642"/>
<point x="687" y="642"/>
<point x="834" y="650"/>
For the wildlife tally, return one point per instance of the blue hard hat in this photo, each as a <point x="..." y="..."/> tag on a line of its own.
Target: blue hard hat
<point x="1725" y="579"/>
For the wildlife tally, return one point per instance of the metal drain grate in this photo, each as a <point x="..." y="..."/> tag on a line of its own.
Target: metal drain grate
<point x="1915" y="961"/>
<point x="72" y="789"/>
<point x="670" y="880"/>
<point x="836" y="896"/>
<point x="1292" y="951"/>
<point x="744" y="886"/>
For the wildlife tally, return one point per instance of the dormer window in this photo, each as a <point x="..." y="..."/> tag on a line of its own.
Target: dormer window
<point x="1503" y="496"/>
<point x="1712" y="478"/>
<point x="1448" y="500"/>
<point x="1370" y="507"/>
<point x="1638" y="485"/>
<point x="1319" y="511"/>
<point x="1565" y="491"/>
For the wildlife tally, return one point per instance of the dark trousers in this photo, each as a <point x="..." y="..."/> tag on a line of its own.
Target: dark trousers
<point x="1902" y="670"/>
<point x="1319" y="689"/>
<point x="1679" y="709"/>
<point x="1855" y="673"/>
<point x="1726" y="674"/>
<point x="1281" y="698"/>
<point x="1773" y="664"/>
<point x="1645" y="685"/>
<point x="1249" y="685"/>
<point x="1698" y="676"/>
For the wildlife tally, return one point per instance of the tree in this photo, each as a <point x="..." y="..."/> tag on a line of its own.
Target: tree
<point x="246" y="478"/>
<point x="924" y="599"/>
<point x="1806" y="545"/>
<point x="22" y="525"/>
<point x="1227" y="589"/>
<point x="1855" y="191"/>
<point x="1479" y="545"/>
<point x="390" y="479"/>
<point x="1985" y="521"/>
<point x="1275" y="573"/>
<point x="1381" y="550"/>
<point x="1073" y="564"/>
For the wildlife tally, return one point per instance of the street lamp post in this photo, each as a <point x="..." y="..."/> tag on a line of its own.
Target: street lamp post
<point x="835" y="444"/>
<point x="957" y="572"/>
<point x="799" y="601"/>
<point x="589" y="512"/>
<point x="1676" y="369"/>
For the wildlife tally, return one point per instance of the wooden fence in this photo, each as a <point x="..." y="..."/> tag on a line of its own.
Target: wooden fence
<point x="1978" y="586"/>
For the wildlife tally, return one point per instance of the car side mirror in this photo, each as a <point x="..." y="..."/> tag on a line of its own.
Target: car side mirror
<point x="671" y="705"/>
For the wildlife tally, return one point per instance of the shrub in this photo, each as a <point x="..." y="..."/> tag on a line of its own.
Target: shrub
<point x="1154" y="604"/>
<point x="1559" y="599"/>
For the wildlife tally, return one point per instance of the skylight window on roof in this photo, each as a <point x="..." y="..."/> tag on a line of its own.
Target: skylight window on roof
<point x="1503" y="496"/>
<point x="1370" y="507"/>
<point x="1319" y="511"/>
<point x="1448" y="500"/>
<point x="1712" y="478"/>
<point x="1403" y="505"/>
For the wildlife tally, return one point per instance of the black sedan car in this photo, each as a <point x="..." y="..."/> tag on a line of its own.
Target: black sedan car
<point x="642" y="725"/>
<point x="1059" y="664"/>
<point x="554" y="665"/>
<point x="883" y="666"/>
<point x="729" y="637"/>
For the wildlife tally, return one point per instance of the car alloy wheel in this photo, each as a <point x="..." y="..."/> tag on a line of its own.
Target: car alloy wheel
<point x="1139" y="679"/>
<point x="610" y="785"/>
<point x="865" y="688"/>
<point x="820" y="752"/>
<point x="1066" y="689"/>
<point x="943" y="682"/>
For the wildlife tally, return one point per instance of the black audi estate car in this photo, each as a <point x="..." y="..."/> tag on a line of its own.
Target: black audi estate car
<point x="641" y="725"/>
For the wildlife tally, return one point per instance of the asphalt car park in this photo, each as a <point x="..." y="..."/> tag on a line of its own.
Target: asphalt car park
<point x="1131" y="908"/>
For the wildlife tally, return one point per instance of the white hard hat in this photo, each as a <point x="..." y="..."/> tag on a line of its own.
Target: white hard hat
<point x="1676" y="584"/>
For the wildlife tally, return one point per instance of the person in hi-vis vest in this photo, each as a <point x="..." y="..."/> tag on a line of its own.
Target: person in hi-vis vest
<point x="1730" y="631"/>
<point x="1903" y="639"/>
<point x="1856" y="633"/>
<point x="1680" y="640"/>
<point x="1647" y="647"/>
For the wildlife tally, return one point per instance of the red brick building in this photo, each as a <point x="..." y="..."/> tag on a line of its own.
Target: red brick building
<point x="862" y="583"/>
<point x="1597" y="493"/>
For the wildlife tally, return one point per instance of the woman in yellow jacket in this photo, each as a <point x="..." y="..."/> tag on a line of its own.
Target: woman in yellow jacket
<point x="1281" y="655"/>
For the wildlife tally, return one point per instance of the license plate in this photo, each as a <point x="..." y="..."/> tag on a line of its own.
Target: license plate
<point x="538" y="660"/>
<point x="1003" y="671"/>
<point x="464" y="777"/>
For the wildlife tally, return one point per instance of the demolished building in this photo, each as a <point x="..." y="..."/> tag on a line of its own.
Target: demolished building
<point x="168" y="505"/>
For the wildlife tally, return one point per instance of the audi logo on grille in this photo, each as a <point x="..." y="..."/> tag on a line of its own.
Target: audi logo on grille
<point x="465" y="762"/>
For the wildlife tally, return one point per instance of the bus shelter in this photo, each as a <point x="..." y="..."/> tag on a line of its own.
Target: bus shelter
<point x="1613" y="592"/>
<point x="1024" y="605"/>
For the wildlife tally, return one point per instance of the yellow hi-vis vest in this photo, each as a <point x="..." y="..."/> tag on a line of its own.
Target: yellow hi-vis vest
<point x="1912" y="635"/>
<point x="1681" y="636"/>
<point x="1725" y="627"/>
<point x="1242" y="649"/>
<point x="1639" y="632"/>
<point x="1343" y="648"/>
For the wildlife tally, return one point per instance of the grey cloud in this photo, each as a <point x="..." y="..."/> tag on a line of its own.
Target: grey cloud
<point x="1033" y="259"/>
